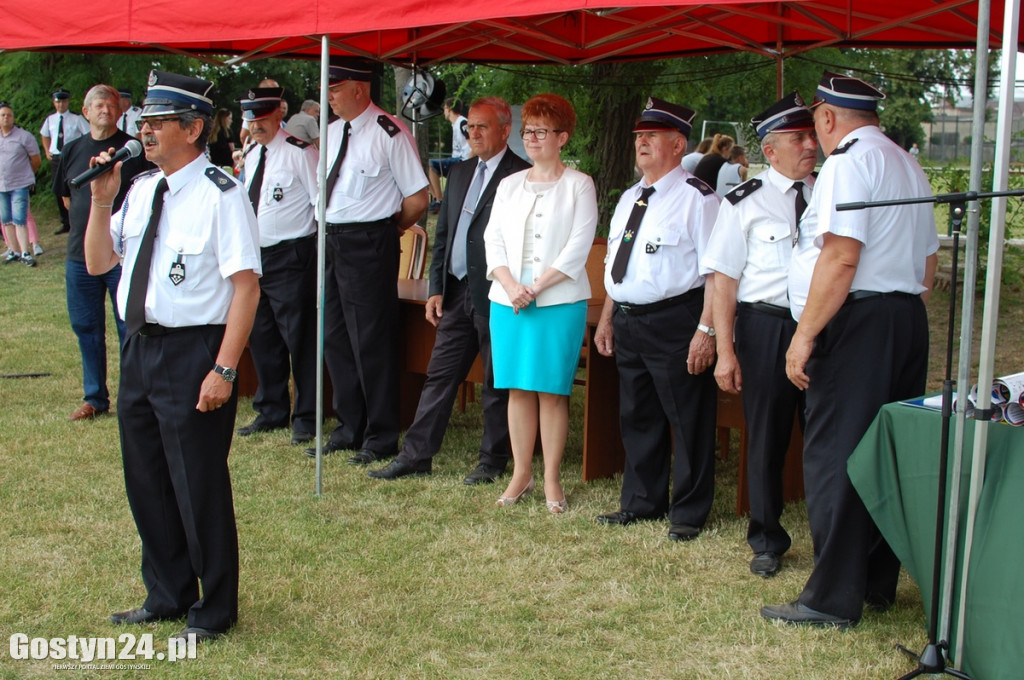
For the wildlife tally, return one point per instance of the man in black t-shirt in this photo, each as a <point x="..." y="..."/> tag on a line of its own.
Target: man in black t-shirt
<point x="85" y="293"/>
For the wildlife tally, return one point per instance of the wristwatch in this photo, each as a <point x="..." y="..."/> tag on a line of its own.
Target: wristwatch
<point x="707" y="329"/>
<point x="229" y="374"/>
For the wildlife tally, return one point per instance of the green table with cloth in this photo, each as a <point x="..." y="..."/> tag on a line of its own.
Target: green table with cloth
<point x="895" y="471"/>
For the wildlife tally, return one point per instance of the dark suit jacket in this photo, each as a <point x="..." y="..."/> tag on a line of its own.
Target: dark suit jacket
<point x="459" y="179"/>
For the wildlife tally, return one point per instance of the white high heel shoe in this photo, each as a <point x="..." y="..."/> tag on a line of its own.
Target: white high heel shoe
<point x="505" y="501"/>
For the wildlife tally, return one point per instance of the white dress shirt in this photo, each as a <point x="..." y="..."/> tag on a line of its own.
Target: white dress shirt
<point x="670" y="243"/>
<point x="753" y="237"/>
<point x="868" y="166"/>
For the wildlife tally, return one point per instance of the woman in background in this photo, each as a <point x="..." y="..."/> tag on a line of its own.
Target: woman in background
<point x="221" y="145"/>
<point x="537" y="241"/>
<point x="708" y="167"/>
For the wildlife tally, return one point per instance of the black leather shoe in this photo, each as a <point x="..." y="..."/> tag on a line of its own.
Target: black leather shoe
<point x="800" y="614"/>
<point x="399" y="468"/>
<point x="63" y="230"/>
<point x="140" y="615"/>
<point x="366" y="456"/>
<point x="620" y="517"/>
<point x="765" y="564"/>
<point x="258" y="426"/>
<point x="683" y="532"/>
<point x="329" y="447"/>
<point x="302" y="438"/>
<point x="202" y="634"/>
<point x="483" y="474"/>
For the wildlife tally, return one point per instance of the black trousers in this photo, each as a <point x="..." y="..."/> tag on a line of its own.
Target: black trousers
<point x="361" y="329"/>
<point x="874" y="351"/>
<point x="176" y="476"/>
<point x="65" y="218"/>
<point x="667" y="415"/>
<point x="770" y="401"/>
<point x="283" y="339"/>
<point x="461" y="333"/>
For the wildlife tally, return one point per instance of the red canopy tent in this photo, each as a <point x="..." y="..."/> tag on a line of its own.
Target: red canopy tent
<point x="526" y="31"/>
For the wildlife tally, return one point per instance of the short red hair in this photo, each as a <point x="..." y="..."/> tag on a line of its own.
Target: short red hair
<point x="550" y="108"/>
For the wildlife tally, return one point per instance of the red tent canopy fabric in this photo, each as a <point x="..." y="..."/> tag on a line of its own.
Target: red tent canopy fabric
<point x="522" y="31"/>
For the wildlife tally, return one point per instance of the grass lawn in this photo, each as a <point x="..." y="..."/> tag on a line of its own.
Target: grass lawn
<point x="420" y="578"/>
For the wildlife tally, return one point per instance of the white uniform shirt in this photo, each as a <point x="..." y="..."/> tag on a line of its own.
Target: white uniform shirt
<point x="753" y="238"/>
<point x="127" y="120"/>
<point x="896" y="239"/>
<point x="670" y="242"/>
<point x="212" y="233"/>
<point x="460" y="139"/>
<point x="74" y="126"/>
<point x="288" y="196"/>
<point x="379" y="171"/>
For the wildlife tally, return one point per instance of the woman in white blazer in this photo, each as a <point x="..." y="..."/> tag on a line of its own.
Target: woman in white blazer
<point x="537" y="241"/>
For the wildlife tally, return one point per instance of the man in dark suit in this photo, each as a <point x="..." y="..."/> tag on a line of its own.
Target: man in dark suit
<point x="458" y="304"/>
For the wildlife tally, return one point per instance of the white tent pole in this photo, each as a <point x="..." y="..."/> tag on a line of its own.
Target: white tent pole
<point x="321" y="259"/>
<point x="994" y="274"/>
<point x="968" y="286"/>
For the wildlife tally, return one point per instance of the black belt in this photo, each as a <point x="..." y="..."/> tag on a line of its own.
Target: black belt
<point x="635" y="310"/>
<point x="151" y="330"/>
<point x="858" y="295"/>
<point x="281" y="245"/>
<point x="333" y="228"/>
<point x="768" y="308"/>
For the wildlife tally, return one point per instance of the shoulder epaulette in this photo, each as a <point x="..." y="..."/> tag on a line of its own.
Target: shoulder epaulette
<point x="740" y="192"/>
<point x="700" y="185"/>
<point x="844" y="148"/>
<point x="295" y="141"/>
<point x="389" y="125"/>
<point x="217" y="176"/>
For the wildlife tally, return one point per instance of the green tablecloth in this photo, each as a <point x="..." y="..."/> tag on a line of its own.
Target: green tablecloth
<point x="895" y="471"/>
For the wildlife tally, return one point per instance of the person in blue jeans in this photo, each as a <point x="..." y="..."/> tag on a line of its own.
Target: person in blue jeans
<point x="85" y="292"/>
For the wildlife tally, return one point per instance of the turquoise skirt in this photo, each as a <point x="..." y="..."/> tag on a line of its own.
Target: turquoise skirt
<point x="538" y="349"/>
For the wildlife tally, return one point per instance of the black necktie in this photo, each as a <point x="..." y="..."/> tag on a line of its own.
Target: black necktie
<point x="800" y="203"/>
<point x="135" y="309"/>
<point x="332" y="176"/>
<point x="124" y="123"/>
<point x="60" y="132"/>
<point x="257" y="181"/>
<point x="629" y="235"/>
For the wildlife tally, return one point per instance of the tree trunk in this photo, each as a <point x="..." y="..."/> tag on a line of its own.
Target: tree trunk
<point x="617" y="109"/>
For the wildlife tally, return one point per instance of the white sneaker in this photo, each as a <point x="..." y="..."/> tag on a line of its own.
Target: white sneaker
<point x="37" y="249"/>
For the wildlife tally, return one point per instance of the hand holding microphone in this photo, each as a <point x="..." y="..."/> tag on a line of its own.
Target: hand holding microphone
<point x="130" y="150"/>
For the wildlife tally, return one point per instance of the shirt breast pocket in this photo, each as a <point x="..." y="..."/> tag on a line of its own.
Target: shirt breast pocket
<point x="653" y="240"/>
<point x="181" y="261"/>
<point x="276" y="188"/>
<point x="354" y="182"/>
<point x="770" y="245"/>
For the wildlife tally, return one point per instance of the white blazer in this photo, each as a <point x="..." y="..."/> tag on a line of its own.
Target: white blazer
<point x="565" y="219"/>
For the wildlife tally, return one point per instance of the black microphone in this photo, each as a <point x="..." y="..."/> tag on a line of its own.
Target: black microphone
<point x="130" y="150"/>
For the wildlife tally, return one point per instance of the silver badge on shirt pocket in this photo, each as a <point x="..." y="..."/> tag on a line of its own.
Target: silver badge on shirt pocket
<point x="651" y="248"/>
<point x="278" y="193"/>
<point x="177" y="273"/>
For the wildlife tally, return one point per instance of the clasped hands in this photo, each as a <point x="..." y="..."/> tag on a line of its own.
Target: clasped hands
<point x="520" y="296"/>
